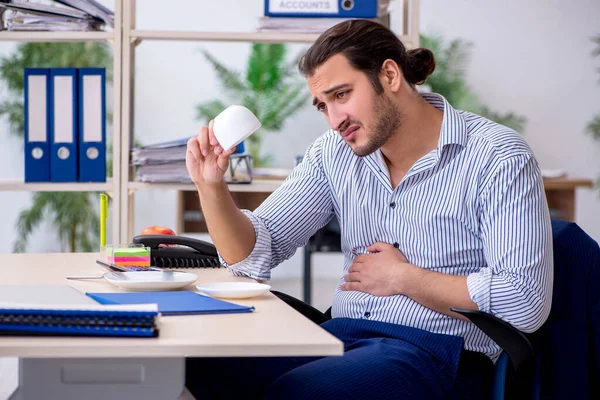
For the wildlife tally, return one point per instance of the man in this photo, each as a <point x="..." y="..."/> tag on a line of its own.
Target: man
<point x="438" y="208"/>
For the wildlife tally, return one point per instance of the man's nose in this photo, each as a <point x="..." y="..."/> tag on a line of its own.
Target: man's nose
<point x="337" y="119"/>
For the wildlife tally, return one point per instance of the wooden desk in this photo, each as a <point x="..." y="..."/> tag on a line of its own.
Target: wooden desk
<point x="273" y="329"/>
<point x="560" y="193"/>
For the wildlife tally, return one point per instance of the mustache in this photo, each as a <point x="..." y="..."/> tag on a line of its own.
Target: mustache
<point x="348" y="125"/>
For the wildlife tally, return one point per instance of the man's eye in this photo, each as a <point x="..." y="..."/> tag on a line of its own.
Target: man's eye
<point x="341" y="95"/>
<point x="321" y="107"/>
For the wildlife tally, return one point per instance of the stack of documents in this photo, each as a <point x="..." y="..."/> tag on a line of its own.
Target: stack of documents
<point x="306" y="25"/>
<point x="317" y="17"/>
<point x="65" y="15"/>
<point x="161" y="162"/>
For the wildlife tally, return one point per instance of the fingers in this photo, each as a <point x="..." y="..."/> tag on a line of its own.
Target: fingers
<point x="351" y="286"/>
<point x="205" y="146"/>
<point x="352" y="277"/>
<point x="211" y="133"/>
<point x="379" y="246"/>
<point x="216" y="147"/>
<point x="193" y="148"/>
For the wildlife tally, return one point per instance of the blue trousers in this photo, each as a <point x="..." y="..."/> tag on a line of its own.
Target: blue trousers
<point x="380" y="361"/>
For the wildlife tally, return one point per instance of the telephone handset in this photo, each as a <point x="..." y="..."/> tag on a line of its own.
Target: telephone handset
<point x="186" y="252"/>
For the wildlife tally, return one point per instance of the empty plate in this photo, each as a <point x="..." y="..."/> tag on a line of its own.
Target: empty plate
<point x="233" y="290"/>
<point x="149" y="281"/>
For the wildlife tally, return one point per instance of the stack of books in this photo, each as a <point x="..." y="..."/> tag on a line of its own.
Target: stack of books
<point x="317" y="17"/>
<point x="63" y="15"/>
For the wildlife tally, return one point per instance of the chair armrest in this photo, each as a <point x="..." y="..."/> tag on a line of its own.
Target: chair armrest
<point x="514" y="343"/>
<point x="307" y="310"/>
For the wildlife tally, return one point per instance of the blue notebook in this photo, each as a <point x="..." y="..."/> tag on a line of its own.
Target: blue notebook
<point x="173" y="303"/>
<point x="77" y="321"/>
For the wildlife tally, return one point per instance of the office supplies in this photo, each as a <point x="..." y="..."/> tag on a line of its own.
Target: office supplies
<point x="326" y="8"/>
<point x="37" y="123"/>
<point x="92" y="124"/>
<point x="132" y="255"/>
<point x="186" y="252"/>
<point x="173" y="303"/>
<point x="63" y="125"/>
<point x="128" y="268"/>
<point x="233" y="125"/>
<point x="103" y="216"/>
<point x="150" y="281"/>
<point x="92" y="320"/>
<point x="63" y="310"/>
<point x="233" y="290"/>
<point x="112" y="267"/>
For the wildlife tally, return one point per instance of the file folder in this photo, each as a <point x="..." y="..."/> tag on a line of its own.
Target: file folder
<point x="173" y="303"/>
<point x="63" y="125"/>
<point x="92" y="124"/>
<point x="37" y="123"/>
<point x="326" y="8"/>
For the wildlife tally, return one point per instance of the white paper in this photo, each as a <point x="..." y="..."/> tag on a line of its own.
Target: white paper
<point x="304" y="6"/>
<point x="36" y="108"/>
<point x="92" y="108"/>
<point x="63" y="109"/>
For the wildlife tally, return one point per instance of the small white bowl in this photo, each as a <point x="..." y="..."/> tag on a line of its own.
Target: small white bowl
<point x="233" y="290"/>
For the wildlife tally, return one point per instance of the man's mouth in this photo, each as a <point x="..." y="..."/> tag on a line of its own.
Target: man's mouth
<point x="348" y="133"/>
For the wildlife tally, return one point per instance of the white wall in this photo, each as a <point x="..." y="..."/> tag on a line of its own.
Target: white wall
<point x="530" y="57"/>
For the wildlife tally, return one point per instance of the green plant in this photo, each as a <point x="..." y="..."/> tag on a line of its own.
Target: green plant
<point x="73" y="214"/>
<point x="449" y="80"/>
<point x="271" y="89"/>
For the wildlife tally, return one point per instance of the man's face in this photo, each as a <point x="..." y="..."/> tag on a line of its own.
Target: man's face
<point x="365" y="119"/>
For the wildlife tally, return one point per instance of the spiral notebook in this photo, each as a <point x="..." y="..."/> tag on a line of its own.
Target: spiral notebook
<point x="63" y="311"/>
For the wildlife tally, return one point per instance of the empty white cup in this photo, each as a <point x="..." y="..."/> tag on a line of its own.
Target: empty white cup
<point x="233" y="125"/>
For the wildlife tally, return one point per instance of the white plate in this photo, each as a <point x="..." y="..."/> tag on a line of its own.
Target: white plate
<point x="233" y="290"/>
<point x="149" y="281"/>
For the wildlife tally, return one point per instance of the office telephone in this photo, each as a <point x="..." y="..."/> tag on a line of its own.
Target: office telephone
<point x="169" y="251"/>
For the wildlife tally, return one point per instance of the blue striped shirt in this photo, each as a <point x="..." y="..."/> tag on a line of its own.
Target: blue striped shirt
<point x="475" y="206"/>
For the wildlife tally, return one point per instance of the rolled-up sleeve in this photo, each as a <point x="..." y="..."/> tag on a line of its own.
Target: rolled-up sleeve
<point x="288" y="217"/>
<point x="516" y="284"/>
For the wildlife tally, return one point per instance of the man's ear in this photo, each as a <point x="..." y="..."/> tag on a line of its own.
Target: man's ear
<point x="391" y="76"/>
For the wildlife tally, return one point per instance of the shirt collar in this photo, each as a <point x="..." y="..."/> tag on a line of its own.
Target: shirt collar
<point x="454" y="127"/>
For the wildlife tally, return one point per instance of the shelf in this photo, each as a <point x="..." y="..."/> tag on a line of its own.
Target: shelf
<point x="55" y="36"/>
<point x="255" y="37"/>
<point x="257" y="186"/>
<point x="20" y="186"/>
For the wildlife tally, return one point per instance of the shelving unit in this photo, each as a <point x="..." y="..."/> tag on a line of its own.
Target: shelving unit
<point x="20" y="186"/>
<point x="124" y="39"/>
<point x="112" y="186"/>
<point x="132" y="37"/>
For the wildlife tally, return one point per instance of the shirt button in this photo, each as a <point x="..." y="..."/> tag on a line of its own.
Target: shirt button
<point x="392" y="204"/>
<point x="367" y="314"/>
<point x="396" y="245"/>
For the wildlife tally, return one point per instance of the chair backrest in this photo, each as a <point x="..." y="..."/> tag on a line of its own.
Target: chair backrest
<point x="567" y="346"/>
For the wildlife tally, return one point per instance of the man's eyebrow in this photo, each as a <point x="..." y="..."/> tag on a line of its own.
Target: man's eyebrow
<point x="330" y="90"/>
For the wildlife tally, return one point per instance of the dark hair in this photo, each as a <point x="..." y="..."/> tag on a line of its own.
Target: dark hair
<point x="367" y="45"/>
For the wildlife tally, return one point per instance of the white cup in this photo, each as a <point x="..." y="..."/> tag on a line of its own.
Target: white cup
<point x="233" y="125"/>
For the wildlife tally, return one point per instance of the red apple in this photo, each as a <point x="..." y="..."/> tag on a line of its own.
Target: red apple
<point x="157" y="230"/>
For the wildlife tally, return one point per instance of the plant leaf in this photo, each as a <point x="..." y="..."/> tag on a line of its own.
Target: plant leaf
<point x="593" y="127"/>
<point x="209" y="110"/>
<point x="230" y="79"/>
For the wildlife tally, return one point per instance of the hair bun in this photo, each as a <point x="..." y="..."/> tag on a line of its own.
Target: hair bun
<point x="421" y="63"/>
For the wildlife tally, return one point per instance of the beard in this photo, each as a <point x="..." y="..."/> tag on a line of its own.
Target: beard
<point x="387" y="120"/>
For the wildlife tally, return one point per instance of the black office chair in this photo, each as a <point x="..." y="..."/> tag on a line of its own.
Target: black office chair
<point x="519" y="373"/>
